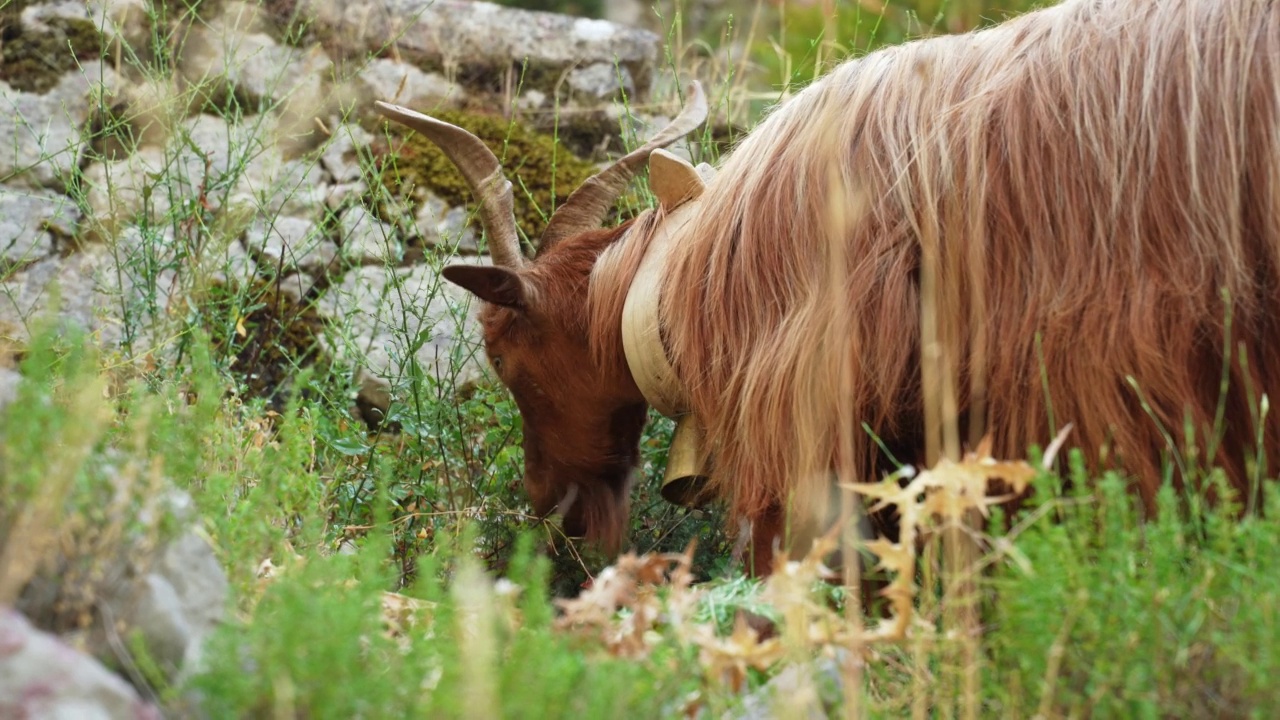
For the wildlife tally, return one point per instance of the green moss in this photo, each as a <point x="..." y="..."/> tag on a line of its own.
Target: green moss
<point x="542" y="171"/>
<point x="581" y="8"/>
<point x="35" y="61"/>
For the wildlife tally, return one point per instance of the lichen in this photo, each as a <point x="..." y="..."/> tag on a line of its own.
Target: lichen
<point x="541" y="170"/>
<point x="35" y="61"/>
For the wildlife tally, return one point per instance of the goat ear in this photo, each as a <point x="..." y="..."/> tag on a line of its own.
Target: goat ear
<point x="673" y="179"/>
<point x="497" y="285"/>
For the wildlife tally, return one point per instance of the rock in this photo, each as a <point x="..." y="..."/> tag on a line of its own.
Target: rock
<point x="146" y="113"/>
<point x="295" y="285"/>
<point x="531" y="99"/>
<point x="340" y="156"/>
<point x="171" y="596"/>
<point x="429" y="217"/>
<point x="227" y="147"/>
<point x="43" y="677"/>
<point x="116" y="190"/>
<point x="175" y="503"/>
<point x="191" y="566"/>
<point x="342" y="194"/>
<point x="177" y="604"/>
<point x="487" y="39"/>
<point x="145" y="249"/>
<point x="203" y="150"/>
<point x="204" y="153"/>
<point x="19" y="243"/>
<point x="9" y="381"/>
<point x="123" y="22"/>
<point x="119" y="302"/>
<point x="644" y="127"/>
<point x="601" y="82"/>
<point x="394" y="315"/>
<point x="42" y="131"/>
<point x="626" y="12"/>
<point x="457" y="233"/>
<point x="36" y="17"/>
<point x="229" y="51"/>
<point x="229" y="264"/>
<point x="291" y="243"/>
<point x="26" y="217"/>
<point x="365" y="238"/>
<point x="274" y="185"/>
<point x="403" y="84"/>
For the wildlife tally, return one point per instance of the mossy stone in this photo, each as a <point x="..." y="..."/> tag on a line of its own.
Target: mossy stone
<point x="542" y="171"/>
<point x="35" y="61"/>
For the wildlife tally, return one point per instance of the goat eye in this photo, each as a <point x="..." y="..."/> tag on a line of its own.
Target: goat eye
<point x="497" y="364"/>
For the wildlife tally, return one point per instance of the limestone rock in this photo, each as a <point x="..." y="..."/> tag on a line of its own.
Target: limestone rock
<point x="397" y="316"/>
<point x="295" y="285"/>
<point x="36" y="17"/>
<point x="403" y="84"/>
<point x="627" y="12"/>
<point x="445" y="35"/>
<point x="253" y="64"/>
<point x="26" y="218"/>
<point x="274" y="185"/>
<point x="42" y="132"/>
<point x="117" y="190"/>
<point x="9" y="381"/>
<point x="230" y="263"/>
<point x="123" y="22"/>
<point x="344" y="194"/>
<point x="117" y="297"/>
<point x="201" y="152"/>
<point x="457" y="233"/>
<point x="601" y="82"/>
<point x="340" y="155"/>
<point x="43" y="677"/>
<point x="438" y="225"/>
<point x="808" y="690"/>
<point x="364" y="238"/>
<point x="177" y="604"/>
<point x="291" y="243"/>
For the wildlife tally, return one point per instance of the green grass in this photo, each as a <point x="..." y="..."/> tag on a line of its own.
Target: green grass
<point x="1115" y="617"/>
<point x="387" y="565"/>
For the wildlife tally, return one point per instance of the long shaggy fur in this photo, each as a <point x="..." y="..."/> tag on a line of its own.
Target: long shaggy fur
<point x="1087" y="201"/>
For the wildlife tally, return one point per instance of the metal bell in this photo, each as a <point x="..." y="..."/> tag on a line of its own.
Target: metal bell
<point x="688" y="471"/>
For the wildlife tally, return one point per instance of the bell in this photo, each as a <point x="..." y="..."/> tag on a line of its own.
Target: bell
<point x="687" y="473"/>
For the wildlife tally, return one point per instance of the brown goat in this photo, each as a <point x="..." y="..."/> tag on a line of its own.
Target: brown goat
<point x="1073" y="217"/>
<point x="582" y="419"/>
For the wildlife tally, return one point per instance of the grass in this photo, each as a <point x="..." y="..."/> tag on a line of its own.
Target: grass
<point x="384" y="562"/>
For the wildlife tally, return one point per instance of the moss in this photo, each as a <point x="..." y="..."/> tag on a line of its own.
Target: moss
<point x="581" y="8"/>
<point x="35" y="61"/>
<point x="542" y="171"/>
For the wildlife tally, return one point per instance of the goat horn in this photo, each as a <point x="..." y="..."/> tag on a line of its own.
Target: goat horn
<point x="587" y="207"/>
<point x="483" y="174"/>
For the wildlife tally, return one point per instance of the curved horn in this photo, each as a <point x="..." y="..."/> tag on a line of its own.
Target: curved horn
<point x="586" y="207"/>
<point x="483" y="174"/>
